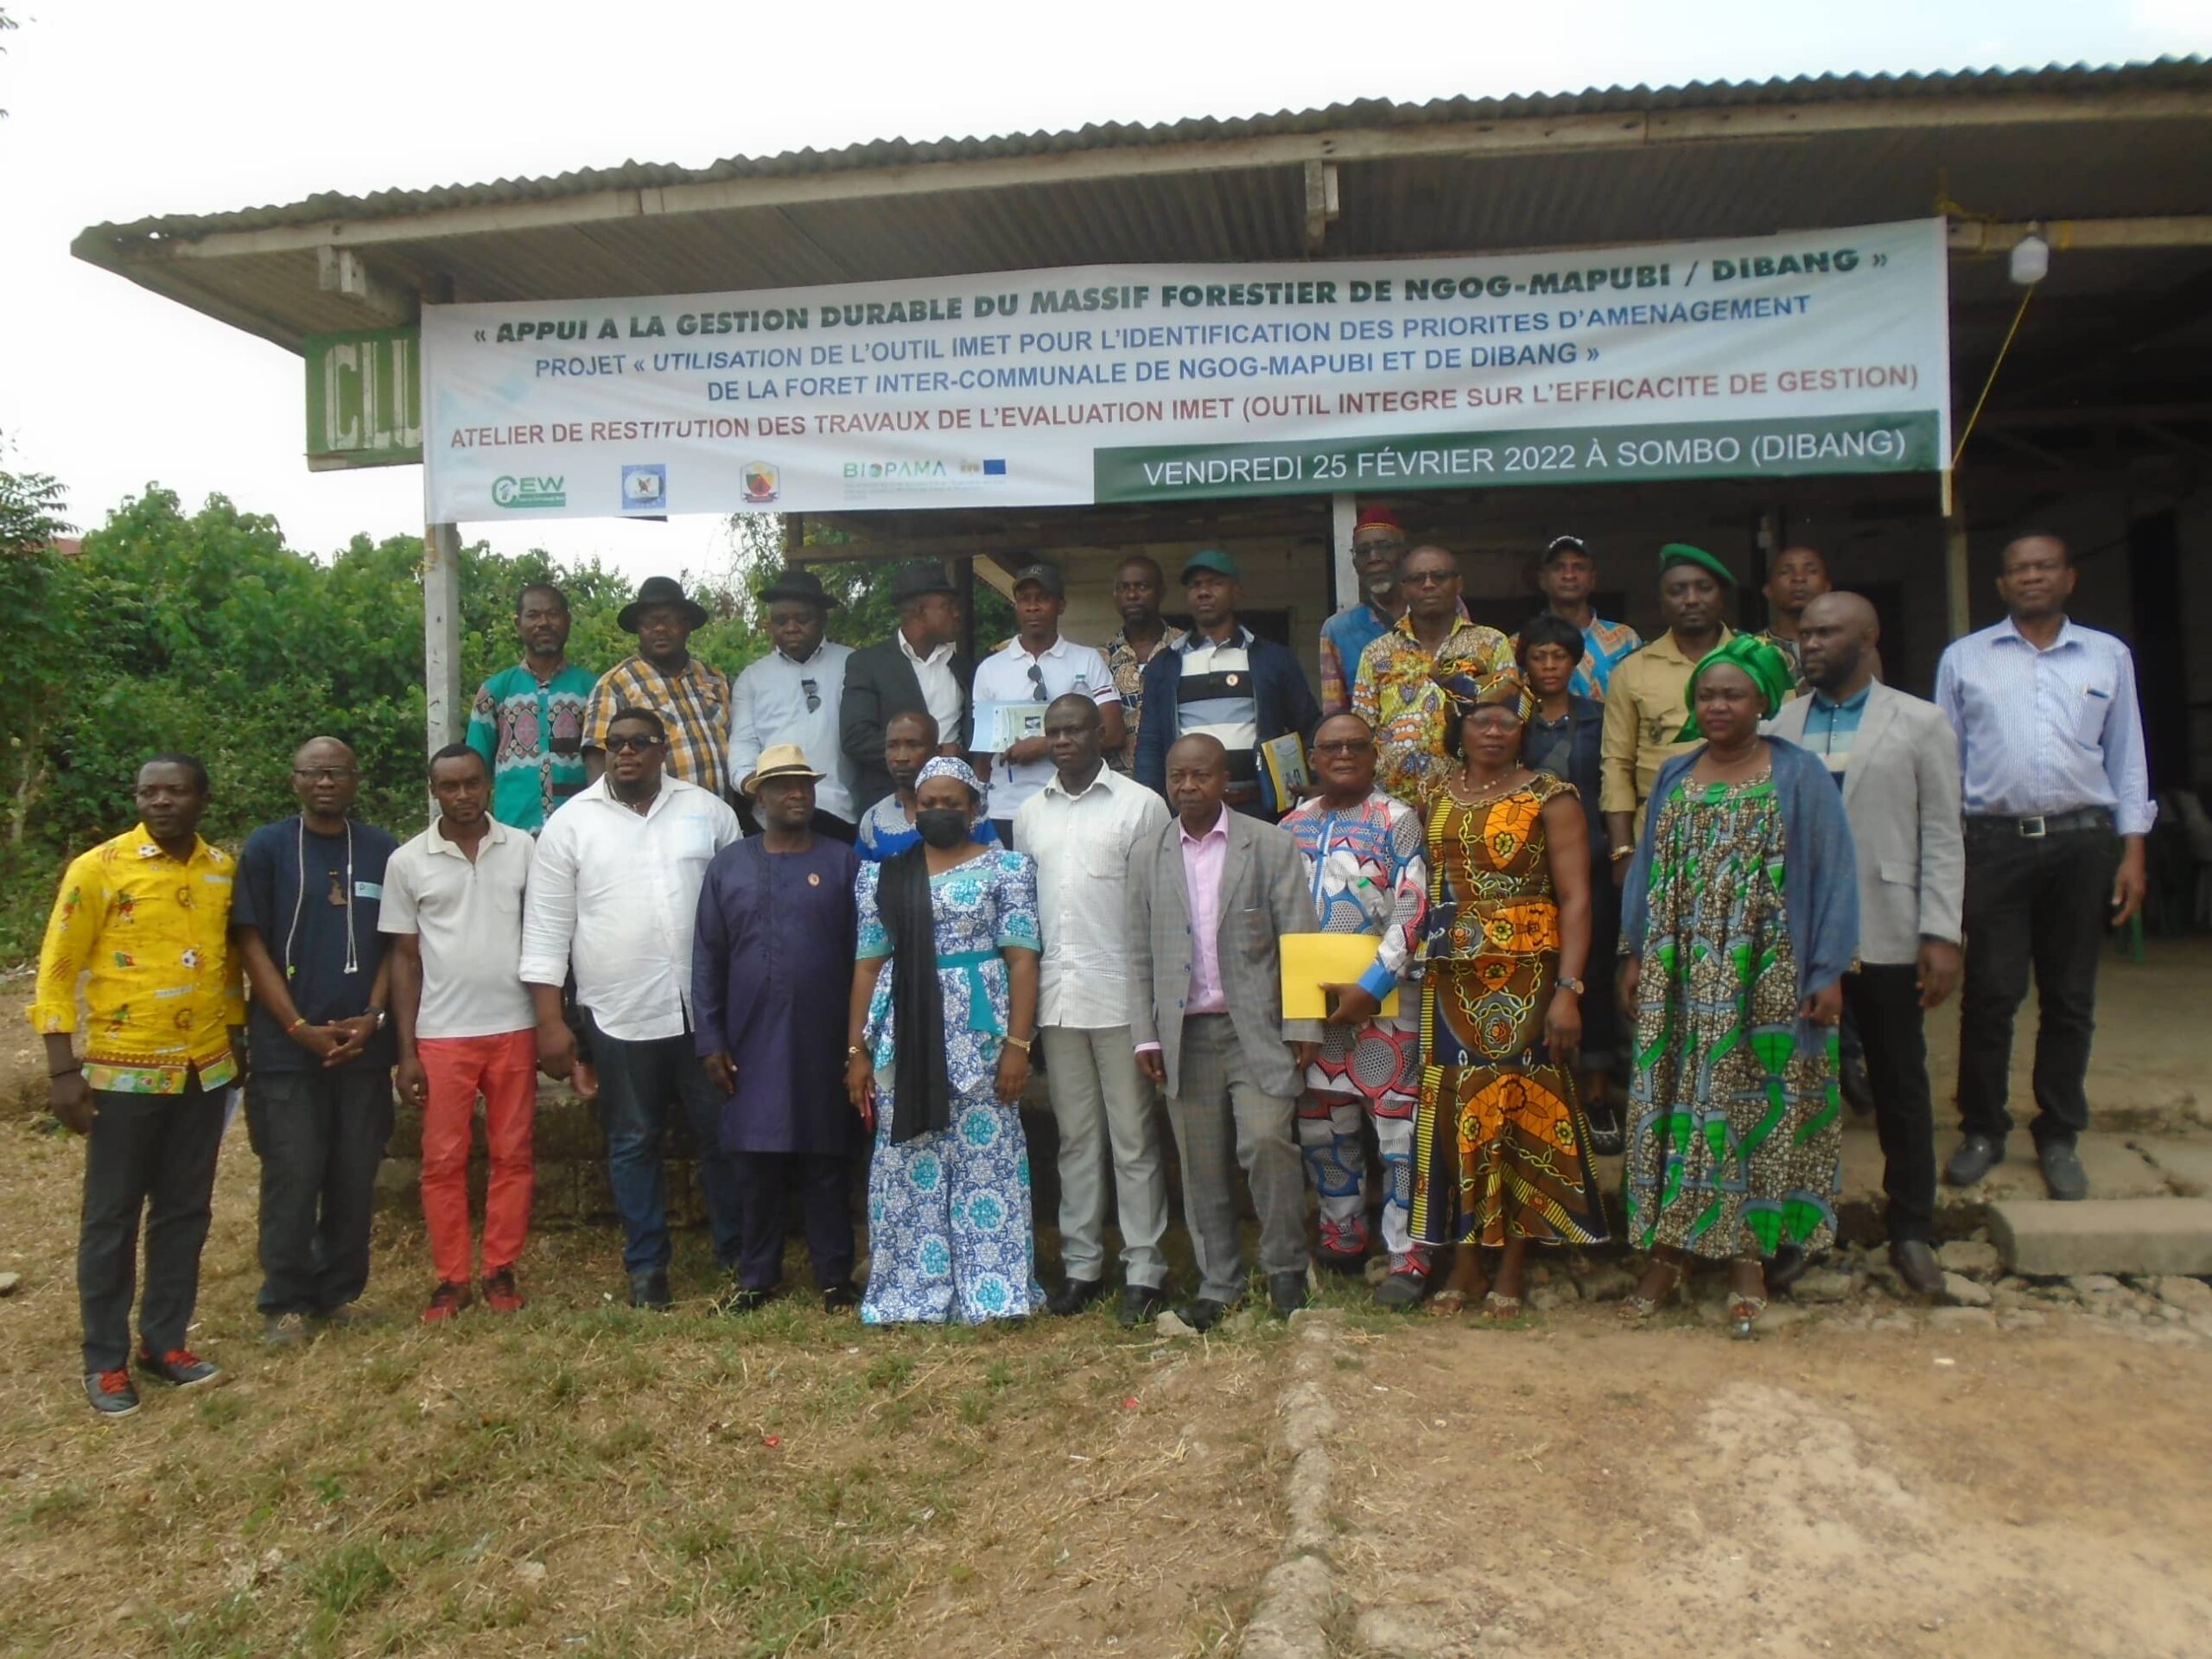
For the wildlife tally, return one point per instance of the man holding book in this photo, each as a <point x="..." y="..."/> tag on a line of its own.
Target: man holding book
<point x="1013" y="687"/>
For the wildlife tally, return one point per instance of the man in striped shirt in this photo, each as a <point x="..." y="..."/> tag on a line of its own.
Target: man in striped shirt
<point x="1221" y="681"/>
<point x="692" y="699"/>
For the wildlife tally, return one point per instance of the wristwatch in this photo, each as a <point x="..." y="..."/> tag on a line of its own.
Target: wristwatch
<point x="1568" y="983"/>
<point x="379" y="1013"/>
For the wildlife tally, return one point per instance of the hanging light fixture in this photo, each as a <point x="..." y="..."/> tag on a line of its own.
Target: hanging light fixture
<point x="2031" y="261"/>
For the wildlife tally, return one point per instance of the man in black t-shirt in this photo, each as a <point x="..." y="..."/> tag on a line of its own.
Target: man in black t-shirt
<point x="319" y="1107"/>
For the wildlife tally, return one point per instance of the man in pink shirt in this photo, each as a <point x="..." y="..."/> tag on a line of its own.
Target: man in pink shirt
<point x="1210" y="891"/>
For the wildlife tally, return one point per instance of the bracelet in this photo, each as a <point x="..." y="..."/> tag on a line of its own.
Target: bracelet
<point x="1620" y="852"/>
<point x="297" y="1021"/>
<point x="1022" y="1043"/>
<point x="854" y="1051"/>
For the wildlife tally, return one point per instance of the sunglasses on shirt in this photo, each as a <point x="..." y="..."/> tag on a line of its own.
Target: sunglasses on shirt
<point x="1037" y="681"/>
<point x="813" y="696"/>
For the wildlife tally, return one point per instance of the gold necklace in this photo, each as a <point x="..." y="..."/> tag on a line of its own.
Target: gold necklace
<point x="1465" y="789"/>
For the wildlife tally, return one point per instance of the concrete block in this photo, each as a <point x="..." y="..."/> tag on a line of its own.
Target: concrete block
<point x="2143" y="1235"/>
<point x="2115" y="1169"/>
<point x="2185" y="1163"/>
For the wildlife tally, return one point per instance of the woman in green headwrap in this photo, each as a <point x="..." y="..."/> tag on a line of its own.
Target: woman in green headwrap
<point x="1738" y="920"/>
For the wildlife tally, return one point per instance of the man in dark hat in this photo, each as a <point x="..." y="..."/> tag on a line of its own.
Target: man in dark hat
<point x="920" y="669"/>
<point x="1647" y="703"/>
<point x="1223" y="681"/>
<point x="795" y="694"/>
<point x="1567" y="577"/>
<point x="692" y="699"/>
<point x="1038" y="664"/>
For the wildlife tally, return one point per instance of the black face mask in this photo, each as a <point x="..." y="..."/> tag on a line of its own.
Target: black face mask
<point x="942" y="827"/>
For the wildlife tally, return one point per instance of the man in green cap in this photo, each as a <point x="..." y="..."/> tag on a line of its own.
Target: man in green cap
<point x="1647" y="703"/>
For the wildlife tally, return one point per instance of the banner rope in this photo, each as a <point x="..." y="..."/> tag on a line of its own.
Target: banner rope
<point x="2010" y="334"/>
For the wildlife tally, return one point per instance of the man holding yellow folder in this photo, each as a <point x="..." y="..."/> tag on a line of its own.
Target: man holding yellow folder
<point x="1368" y="873"/>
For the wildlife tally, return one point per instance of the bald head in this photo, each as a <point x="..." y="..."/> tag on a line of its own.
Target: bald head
<point x="325" y="779"/>
<point x="1197" y="777"/>
<point x="1836" y="640"/>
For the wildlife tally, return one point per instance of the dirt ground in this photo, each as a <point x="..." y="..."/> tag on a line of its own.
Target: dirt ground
<point x="1580" y="1489"/>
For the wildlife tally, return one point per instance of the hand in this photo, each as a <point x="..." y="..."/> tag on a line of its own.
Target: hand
<point x="585" y="1081"/>
<point x="860" y="1084"/>
<point x="1563" y="1023"/>
<point x="1941" y="964"/>
<point x="1825" y="1006"/>
<point x="1013" y="1073"/>
<point x="1150" y="1062"/>
<point x="318" y="1040"/>
<point x="352" y="1037"/>
<point x="557" y="1050"/>
<point x="1028" y="749"/>
<point x="238" y="1056"/>
<point x="2129" y="885"/>
<point x="723" y="1071"/>
<point x="1631" y="974"/>
<point x="1304" y="1054"/>
<point x="69" y="1097"/>
<point x="1355" y="1005"/>
<point x="414" y="1081"/>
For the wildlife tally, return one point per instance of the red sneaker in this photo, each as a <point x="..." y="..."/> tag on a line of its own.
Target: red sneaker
<point x="110" y="1393"/>
<point x="446" y="1302"/>
<point x="182" y="1366"/>
<point x="501" y="1294"/>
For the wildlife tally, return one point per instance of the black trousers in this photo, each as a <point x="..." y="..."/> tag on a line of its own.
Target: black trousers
<point x="2042" y="903"/>
<point x="153" y="1154"/>
<point x="823" y="1184"/>
<point x="1883" y="1002"/>
<point x="319" y="1136"/>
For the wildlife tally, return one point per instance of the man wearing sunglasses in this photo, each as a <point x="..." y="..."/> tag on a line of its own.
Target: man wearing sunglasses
<point x="614" y="893"/>
<point x="1036" y="666"/>
<point x="796" y="695"/>
<point x="1397" y="694"/>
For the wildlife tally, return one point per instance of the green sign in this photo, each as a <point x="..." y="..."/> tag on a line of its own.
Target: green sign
<point x="1902" y="442"/>
<point x="365" y="399"/>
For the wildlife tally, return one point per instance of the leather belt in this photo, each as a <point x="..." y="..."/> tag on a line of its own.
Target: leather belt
<point x="2043" y="824"/>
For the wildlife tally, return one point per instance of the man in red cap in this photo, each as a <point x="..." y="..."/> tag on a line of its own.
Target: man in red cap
<point x="1378" y="542"/>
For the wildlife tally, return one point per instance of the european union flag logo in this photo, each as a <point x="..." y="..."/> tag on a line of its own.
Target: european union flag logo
<point x="995" y="470"/>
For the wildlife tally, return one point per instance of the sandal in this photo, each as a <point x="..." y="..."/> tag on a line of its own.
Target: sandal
<point x="1744" y="1309"/>
<point x="1498" y="1306"/>
<point x="1449" y="1301"/>
<point x="1636" y="1306"/>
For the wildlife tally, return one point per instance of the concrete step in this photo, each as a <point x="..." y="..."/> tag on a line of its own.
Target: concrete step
<point x="2115" y="1235"/>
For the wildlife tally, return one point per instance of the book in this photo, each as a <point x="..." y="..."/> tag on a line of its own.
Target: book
<point x="1285" y="759"/>
<point x="999" y="726"/>
<point x="1312" y="960"/>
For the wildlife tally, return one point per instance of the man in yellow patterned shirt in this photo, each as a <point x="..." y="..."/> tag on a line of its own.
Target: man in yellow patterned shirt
<point x="144" y="920"/>
<point x="1396" y="693"/>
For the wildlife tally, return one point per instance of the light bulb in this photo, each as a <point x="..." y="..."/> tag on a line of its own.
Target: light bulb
<point x="2031" y="261"/>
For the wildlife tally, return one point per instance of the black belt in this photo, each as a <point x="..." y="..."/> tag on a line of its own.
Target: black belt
<point x="2043" y="824"/>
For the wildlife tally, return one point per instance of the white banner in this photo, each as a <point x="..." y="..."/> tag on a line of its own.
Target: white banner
<point x="1817" y="351"/>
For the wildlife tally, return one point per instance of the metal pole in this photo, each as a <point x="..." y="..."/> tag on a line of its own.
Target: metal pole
<point x="445" y="710"/>
<point x="1955" y="615"/>
<point x="1343" y="513"/>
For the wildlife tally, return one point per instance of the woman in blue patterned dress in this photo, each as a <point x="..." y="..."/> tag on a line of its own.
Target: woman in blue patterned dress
<point x="937" y="1062"/>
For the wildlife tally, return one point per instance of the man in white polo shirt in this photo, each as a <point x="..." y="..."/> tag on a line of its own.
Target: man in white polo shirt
<point x="1079" y="828"/>
<point x="452" y="905"/>
<point x="1037" y="665"/>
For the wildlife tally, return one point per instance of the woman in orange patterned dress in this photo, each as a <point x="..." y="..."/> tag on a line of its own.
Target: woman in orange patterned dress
<point x="1501" y="1149"/>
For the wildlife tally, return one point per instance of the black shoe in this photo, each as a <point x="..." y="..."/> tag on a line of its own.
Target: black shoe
<point x="2062" y="1171"/>
<point x="1605" y="1136"/>
<point x="1074" y="1296"/>
<point x="1287" y="1292"/>
<point x="1785" y="1267"/>
<point x="1350" y="1263"/>
<point x="839" y="1297"/>
<point x="110" y="1393"/>
<point x="180" y="1367"/>
<point x="284" y="1330"/>
<point x="1857" y="1089"/>
<point x="744" y="1299"/>
<point x="1917" y="1265"/>
<point x="649" y="1290"/>
<point x="1403" y="1289"/>
<point x="1140" y="1305"/>
<point x="1977" y="1155"/>
<point x="1203" y="1314"/>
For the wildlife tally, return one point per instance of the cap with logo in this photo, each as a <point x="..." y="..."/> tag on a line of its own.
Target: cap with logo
<point x="1047" y="576"/>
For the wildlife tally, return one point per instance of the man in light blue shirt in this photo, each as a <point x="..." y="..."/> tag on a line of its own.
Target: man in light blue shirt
<point x="793" y="696"/>
<point x="2057" y="806"/>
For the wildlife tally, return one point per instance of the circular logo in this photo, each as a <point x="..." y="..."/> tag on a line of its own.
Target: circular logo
<point x="504" y="491"/>
<point x="1230" y="680"/>
<point x="813" y="879"/>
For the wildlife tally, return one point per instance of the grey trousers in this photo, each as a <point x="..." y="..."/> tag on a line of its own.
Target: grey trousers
<point x="1222" y="1122"/>
<point x="1099" y="1097"/>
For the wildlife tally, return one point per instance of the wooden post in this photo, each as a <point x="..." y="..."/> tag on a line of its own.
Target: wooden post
<point x="444" y="707"/>
<point x="1343" y="513"/>
<point x="1955" y="612"/>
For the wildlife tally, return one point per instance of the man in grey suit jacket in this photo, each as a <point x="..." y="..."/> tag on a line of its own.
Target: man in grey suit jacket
<point x="1897" y="758"/>
<point x="1210" y="894"/>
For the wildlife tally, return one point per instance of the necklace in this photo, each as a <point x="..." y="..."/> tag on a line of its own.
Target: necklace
<point x="336" y="898"/>
<point x="1464" y="787"/>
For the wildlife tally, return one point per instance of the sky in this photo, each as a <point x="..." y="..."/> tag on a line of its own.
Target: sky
<point x="123" y="110"/>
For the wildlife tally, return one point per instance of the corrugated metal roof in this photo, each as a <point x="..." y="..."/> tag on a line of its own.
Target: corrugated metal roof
<point x="1365" y="114"/>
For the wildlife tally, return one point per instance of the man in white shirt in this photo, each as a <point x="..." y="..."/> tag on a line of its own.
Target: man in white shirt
<point x="1079" y="828"/>
<point x="615" y="893"/>
<point x="452" y="906"/>
<point x="794" y="695"/>
<point x="1036" y="666"/>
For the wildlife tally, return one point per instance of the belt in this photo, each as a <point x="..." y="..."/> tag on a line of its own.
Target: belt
<point x="2043" y="824"/>
<point x="981" y="1016"/>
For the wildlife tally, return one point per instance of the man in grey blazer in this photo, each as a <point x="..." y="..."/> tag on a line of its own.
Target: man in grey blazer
<point x="1210" y="891"/>
<point x="1896" y="760"/>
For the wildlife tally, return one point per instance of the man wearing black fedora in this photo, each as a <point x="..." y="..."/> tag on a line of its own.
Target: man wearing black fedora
<point x="919" y="669"/>
<point x="692" y="699"/>
<point x="795" y="694"/>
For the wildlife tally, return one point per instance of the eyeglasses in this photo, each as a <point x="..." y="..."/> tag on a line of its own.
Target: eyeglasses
<point x="1345" y="746"/>
<point x="1427" y="578"/>
<point x="326" y="774"/>
<point x="813" y="695"/>
<point x="636" y="744"/>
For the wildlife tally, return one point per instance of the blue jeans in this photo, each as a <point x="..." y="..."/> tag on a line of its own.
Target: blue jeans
<point x="637" y="1081"/>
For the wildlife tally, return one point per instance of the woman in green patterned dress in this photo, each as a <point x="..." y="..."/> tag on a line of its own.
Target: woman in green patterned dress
<point x="1738" y="921"/>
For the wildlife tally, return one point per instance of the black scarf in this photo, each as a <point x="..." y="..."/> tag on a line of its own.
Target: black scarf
<point x="922" y="1091"/>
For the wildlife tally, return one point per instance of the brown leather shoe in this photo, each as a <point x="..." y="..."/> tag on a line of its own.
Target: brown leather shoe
<point x="1917" y="1265"/>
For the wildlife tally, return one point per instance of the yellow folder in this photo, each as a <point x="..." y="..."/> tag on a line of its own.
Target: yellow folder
<point x="1312" y="960"/>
